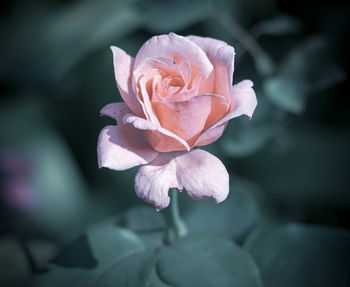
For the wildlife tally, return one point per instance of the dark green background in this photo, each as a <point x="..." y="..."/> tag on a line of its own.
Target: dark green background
<point x="289" y="166"/>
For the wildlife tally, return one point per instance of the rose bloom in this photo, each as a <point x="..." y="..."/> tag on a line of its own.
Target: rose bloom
<point x="178" y="95"/>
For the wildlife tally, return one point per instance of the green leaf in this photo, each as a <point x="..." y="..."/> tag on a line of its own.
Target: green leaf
<point x="90" y="258"/>
<point x="286" y="93"/>
<point x="232" y="218"/>
<point x="167" y="16"/>
<point x="298" y="173"/>
<point x="19" y="258"/>
<point x="246" y="141"/>
<point x="42" y="251"/>
<point x="279" y="25"/>
<point x="142" y="219"/>
<point x="15" y="269"/>
<point x="307" y="68"/>
<point x="149" y="224"/>
<point x="310" y="62"/>
<point x="204" y="260"/>
<point x="133" y="270"/>
<point x="244" y="137"/>
<point x="296" y="255"/>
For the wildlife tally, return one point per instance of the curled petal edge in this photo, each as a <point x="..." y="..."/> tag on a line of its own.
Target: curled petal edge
<point x="145" y="125"/>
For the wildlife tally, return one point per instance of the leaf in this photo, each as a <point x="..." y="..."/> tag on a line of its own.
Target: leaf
<point x="77" y="254"/>
<point x="108" y="245"/>
<point x="142" y="219"/>
<point x="17" y="268"/>
<point x="307" y="68"/>
<point x="232" y="218"/>
<point x="248" y="142"/>
<point x="310" y="62"/>
<point x="134" y="270"/>
<point x="204" y="260"/>
<point x="42" y="251"/>
<point x="279" y="25"/>
<point x="303" y="58"/>
<point x="14" y="261"/>
<point x="296" y="255"/>
<point x="286" y="93"/>
<point x="244" y="137"/>
<point x="298" y="173"/>
<point x="167" y="16"/>
<point x="149" y="224"/>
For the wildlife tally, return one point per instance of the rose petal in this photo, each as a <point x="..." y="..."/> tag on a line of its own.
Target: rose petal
<point x="187" y="119"/>
<point x="224" y="66"/>
<point x="162" y="65"/>
<point x="243" y="102"/>
<point x="210" y="135"/>
<point x="123" y="66"/>
<point x="159" y="138"/>
<point x="177" y="48"/>
<point x="210" y="46"/>
<point x="153" y="181"/>
<point x="146" y="103"/>
<point x="202" y="175"/>
<point x="122" y="147"/>
<point x="243" y="99"/>
<point x="115" y="111"/>
<point x="199" y="172"/>
<point x="187" y="93"/>
<point x="221" y="56"/>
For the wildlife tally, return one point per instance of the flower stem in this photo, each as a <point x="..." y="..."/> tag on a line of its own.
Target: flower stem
<point x="177" y="223"/>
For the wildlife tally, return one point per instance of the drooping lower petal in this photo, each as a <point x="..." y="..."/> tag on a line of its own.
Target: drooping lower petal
<point x="202" y="175"/>
<point x="122" y="147"/>
<point x="153" y="181"/>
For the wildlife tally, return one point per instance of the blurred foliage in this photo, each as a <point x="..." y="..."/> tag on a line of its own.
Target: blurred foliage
<point x="288" y="209"/>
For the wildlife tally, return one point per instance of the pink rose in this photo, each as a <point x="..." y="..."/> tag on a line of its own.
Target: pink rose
<point x="178" y="95"/>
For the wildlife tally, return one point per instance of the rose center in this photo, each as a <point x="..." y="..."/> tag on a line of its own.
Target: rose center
<point x="170" y="85"/>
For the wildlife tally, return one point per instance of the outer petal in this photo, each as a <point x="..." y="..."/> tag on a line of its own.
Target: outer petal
<point x="211" y="135"/>
<point x="115" y="111"/>
<point x="210" y="46"/>
<point x="174" y="47"/>
<point x="123" y="67"/>
<point x="152" y="181"/>
<point x="222" y="57"/>
<point x="122" y="147"/>
<point x="159" y="138"/>
<point x="202" y="175"/>
<point x="243" y="102"/>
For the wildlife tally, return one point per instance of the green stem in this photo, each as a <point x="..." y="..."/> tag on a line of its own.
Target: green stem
<point x="176" y="220"/>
